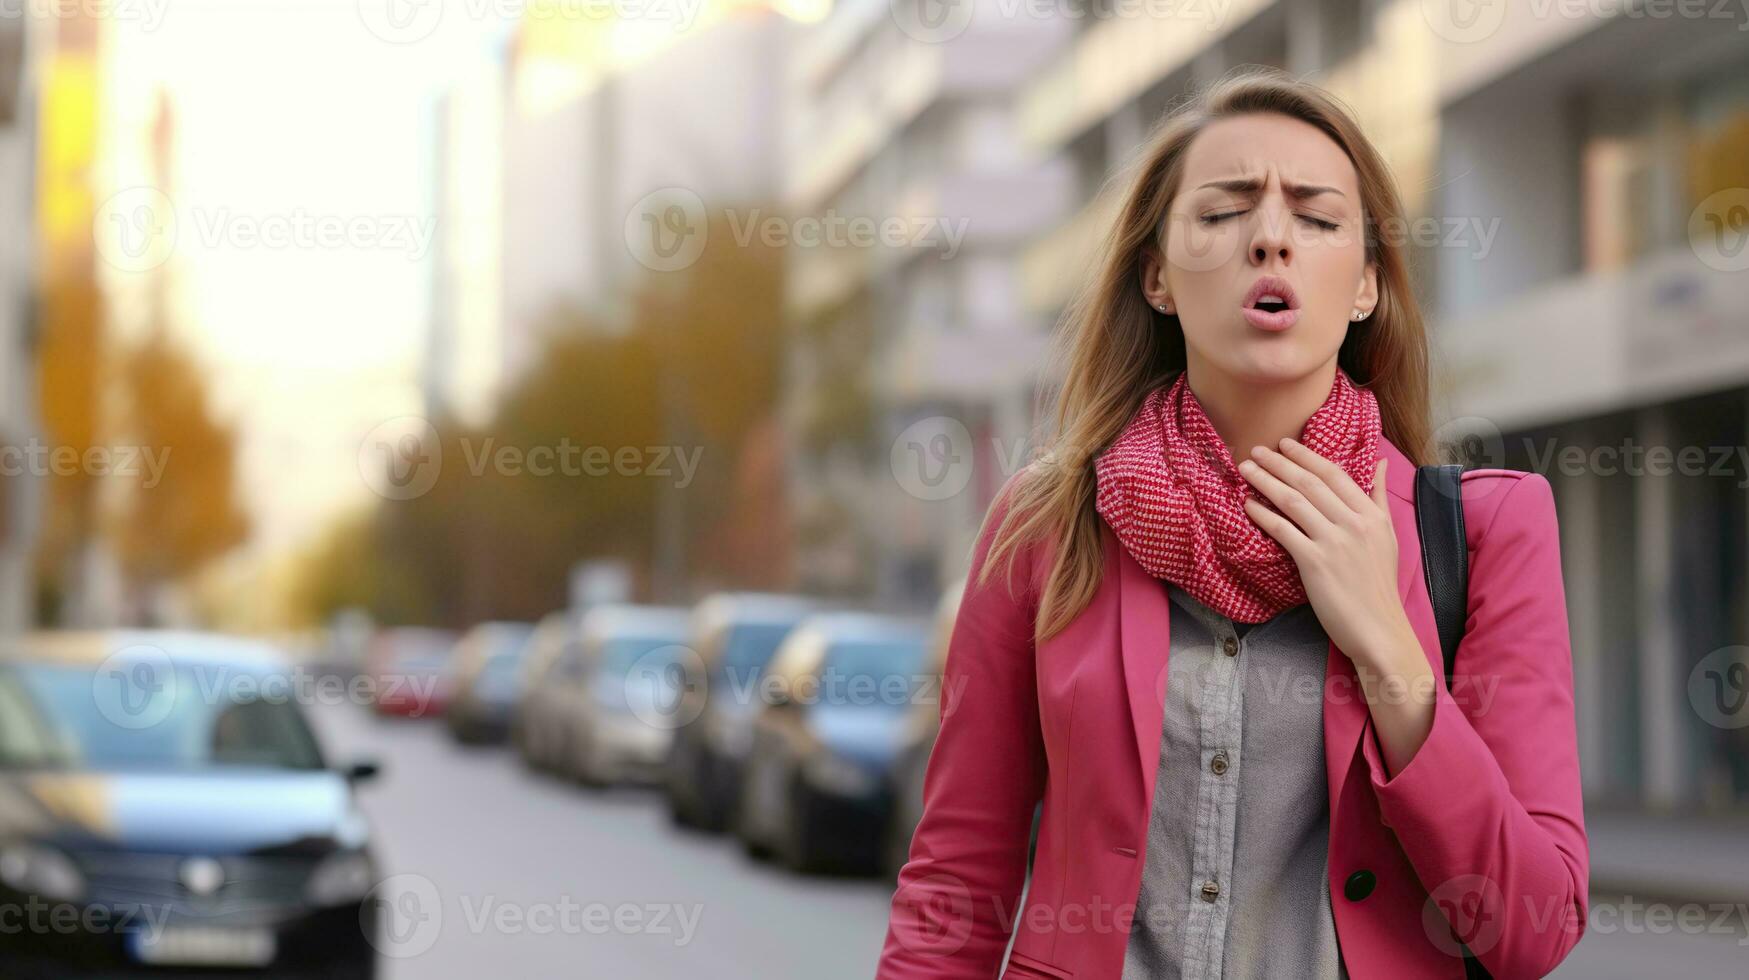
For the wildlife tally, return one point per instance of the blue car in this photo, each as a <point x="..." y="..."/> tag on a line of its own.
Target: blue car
<point x="833" y="724"/>
<point x="166" y="789"/>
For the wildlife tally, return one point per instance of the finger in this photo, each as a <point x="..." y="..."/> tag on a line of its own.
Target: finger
<point x="1312" y="503"/>
<point x="1333" y="475"/>
<point x="1314" y="486"/>
<point x="1288" y="499"/>
<point x="1291" y="538"/>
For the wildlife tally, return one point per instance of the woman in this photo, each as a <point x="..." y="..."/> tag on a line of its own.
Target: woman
<point x="1223" y="681"/>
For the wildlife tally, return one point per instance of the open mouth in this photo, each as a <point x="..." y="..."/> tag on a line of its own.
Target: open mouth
<point x="1270" y="304"/>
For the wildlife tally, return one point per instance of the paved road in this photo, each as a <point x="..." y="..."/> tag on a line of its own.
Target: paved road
<point x="530" y="879"/>
<point x="535" y="879"/>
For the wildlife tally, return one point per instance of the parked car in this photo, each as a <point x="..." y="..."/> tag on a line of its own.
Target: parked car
<point x="918" y="739"/>
<point x="540" y="725"/>
<point x="408" y="670"/>
<point x="155" y="784"/>
<point x="483" y="681"/>
<point x="621" y="711"/>
<point x="816" y="789"/>
<point x="735" y="635"/>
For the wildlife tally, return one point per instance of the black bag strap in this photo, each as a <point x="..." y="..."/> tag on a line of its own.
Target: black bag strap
<point x="1445" y="558"/>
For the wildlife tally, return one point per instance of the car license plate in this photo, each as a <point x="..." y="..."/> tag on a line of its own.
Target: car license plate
<point x="204" y="946"/>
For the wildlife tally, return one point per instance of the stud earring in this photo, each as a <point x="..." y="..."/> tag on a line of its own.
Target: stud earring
<point x="1358" y="315"/>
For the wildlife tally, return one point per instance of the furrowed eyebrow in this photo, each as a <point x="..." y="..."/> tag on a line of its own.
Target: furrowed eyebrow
<point x="1251" y="186"/>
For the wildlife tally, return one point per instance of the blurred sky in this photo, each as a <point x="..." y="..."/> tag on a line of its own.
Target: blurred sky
<point x="284" y="106"/>
<point x="325" y="108"/>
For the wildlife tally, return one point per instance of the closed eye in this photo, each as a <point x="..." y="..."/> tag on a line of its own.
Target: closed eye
<point x="1212" y="219"/>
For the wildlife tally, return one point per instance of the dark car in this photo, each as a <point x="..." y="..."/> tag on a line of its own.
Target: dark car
<point x="735" y="635"/>
<point x="164" y="807"/>
<point x="816" y="790"/>
<point x="485" y="681"/>
<point x="918" y="740"/>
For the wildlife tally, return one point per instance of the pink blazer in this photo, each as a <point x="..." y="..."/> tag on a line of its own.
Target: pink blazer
<point x="1481" y="835"/>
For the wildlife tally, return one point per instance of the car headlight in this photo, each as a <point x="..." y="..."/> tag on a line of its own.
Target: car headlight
<point x="840" y="776"/>
<point x="344" y="876"/>
<point x="41" y="870"/>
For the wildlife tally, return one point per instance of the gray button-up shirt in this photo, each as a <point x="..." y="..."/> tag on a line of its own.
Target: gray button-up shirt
<point x="1235" y="881"/>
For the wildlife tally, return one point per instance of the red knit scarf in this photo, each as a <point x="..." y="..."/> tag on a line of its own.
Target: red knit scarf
<point x="1173" y="493"/>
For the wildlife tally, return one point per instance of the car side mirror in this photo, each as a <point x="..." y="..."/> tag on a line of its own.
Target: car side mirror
<point x="362" y="771"/>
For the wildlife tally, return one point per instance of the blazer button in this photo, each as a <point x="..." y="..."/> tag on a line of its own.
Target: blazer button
<point x="1359" y="885"/>
<point x="1230" y="647"/>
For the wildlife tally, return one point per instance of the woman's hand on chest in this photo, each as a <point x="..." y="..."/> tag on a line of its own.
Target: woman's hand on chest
<point x="1343" y="542"/>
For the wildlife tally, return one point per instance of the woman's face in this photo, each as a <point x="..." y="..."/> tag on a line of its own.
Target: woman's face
<point x="1264" y="195"/>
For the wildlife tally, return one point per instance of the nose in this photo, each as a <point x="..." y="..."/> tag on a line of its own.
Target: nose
<point x="1270" y="236"/>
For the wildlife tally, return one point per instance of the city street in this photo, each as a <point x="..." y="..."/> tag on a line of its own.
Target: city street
<point x="530" y="876"/>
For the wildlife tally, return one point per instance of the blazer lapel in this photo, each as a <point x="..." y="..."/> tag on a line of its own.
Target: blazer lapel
<point x="1145" y="622"/>
<point x="1145" y="617"/>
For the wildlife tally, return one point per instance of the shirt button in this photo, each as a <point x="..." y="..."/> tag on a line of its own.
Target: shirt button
<point x="1210" y="891"/>
<point x="1359" y="885"/>
<point x="1230" y="646"/>
<point x="1218" y="765"/>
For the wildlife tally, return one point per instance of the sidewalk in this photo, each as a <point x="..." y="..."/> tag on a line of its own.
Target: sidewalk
<point x="1669" y="858"/>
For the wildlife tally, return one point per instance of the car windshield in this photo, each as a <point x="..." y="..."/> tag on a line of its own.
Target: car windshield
<point x="749" y="647"/>
<point x="874" y="673"/>
<point x="420" y="663"/>
<point x="621" y="654"/>
<point x="510" y="640"/>
<point x="502" y="665"/>
<point x="59" y="716"/>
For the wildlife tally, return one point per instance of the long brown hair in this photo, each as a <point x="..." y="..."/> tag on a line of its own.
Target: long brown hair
<point x="1115" y="348"/>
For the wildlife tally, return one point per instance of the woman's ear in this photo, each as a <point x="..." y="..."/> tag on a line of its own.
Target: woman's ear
<point x="1367" y="299"/>
<point x="1152" y="270"/>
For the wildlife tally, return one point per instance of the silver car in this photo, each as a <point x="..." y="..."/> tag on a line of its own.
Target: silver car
<point x="621" y="694"/>
<point x="539" y="725"/>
